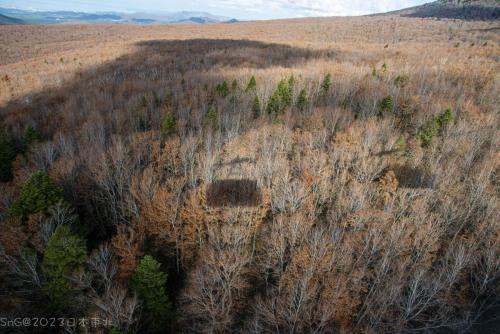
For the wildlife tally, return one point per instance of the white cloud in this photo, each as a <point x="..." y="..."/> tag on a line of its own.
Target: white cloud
<point x="242" y="9"/>
<point x="317" y="7"/>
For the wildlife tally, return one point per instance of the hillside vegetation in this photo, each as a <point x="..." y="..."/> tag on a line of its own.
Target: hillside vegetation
<point x="313" y="175"/>
<point x="456" y="9"/>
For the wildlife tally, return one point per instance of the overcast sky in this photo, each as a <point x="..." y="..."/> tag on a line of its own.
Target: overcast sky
<point x="241" y="9"/>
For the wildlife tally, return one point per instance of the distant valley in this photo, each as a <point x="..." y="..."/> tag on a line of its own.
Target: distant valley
<point x="19" y="16"/>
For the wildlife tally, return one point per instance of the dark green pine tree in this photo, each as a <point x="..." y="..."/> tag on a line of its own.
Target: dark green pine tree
<point x="435" y="127"/>
<point x="282" y="97"/>
<point x="65" y="256"/>
<point x="211" y="118"/>
<point x="148" y="282"/>
<point x="285" y="92"/>
<point x="273" y="105"/>
<point x="222" y="89"/>
<point x="445" y="119"/>
<point x="31" y="136"/>
<point x="252" y="85"/>
<point x="386" y="105"/>
<point x="38" y="194"/>
<point x="7" y="156"/>
<point x="167" y="126"/>
<point x="302" y="100"/>
<point x="326" y="84"/>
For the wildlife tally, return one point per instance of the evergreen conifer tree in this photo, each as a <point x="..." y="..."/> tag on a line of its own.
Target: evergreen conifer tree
<point x="38" y="194"/>
<point x="65" y="255"/>
<point x="148" y="282"/>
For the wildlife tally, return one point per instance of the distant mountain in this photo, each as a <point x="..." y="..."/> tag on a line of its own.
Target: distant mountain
<point x="143" y="21"/>
<point x="186" y="15"/>
<point x="9" y="20"/>
<point x="52" y="17"/>
<point x="455" y="9"/>
<point x="198" y="20"/>
<point x="34" y="17"/>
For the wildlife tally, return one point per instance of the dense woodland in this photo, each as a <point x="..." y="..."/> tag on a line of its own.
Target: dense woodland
<point x="231" y="185"/>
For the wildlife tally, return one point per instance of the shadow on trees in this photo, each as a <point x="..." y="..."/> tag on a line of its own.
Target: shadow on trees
<point x="129" y="95"/>
<point x="233" y="193"/>
<point x="161" y="71"/>
<point x="414" y="177"/>
<point x="85" y="117"/>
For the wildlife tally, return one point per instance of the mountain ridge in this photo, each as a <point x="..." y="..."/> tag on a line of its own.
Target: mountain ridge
<point x="53" y="17"/>
<point x="4" y="20"/>
<point x="453" y="9"/>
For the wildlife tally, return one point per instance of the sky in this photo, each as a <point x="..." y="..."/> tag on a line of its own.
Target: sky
<point x="240" y="9"/>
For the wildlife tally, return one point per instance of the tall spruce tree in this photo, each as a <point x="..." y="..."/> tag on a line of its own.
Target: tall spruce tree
<point x="252" y="85"/>
<point x="148" y="282"/>
<point x="302" y="100"/>
<point x="38" y="194"/>
<point x="65" y="256"/>
<point x="326" y="84"/>
<point x="167" y="126"/>
<point x="31" y="136"/>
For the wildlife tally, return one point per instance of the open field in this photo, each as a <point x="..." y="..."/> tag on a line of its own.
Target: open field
<point x="360" y="172"/>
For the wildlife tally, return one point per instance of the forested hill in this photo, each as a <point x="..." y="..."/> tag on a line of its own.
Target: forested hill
<point x="455" y="9"/>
